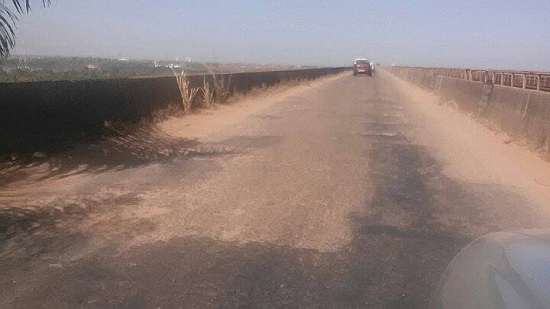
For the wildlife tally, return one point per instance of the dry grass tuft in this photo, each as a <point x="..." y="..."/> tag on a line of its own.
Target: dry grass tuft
<point x="187" y="93"/>
<point x="221" y="88"/>
<point x="207" y="94"/>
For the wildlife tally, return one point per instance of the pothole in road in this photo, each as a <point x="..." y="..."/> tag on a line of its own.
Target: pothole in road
<point x="268" y="117"/>
<point x="243" y="142"/>
<point x="388" y="123"/>
<point x="384" y="134"/>
<point x="385" y="138"/>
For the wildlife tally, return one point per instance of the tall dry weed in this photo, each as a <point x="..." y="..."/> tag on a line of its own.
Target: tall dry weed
<point x="221" y="86"/>
<point x="187" y="92"/>
<point x="207" y="94"/>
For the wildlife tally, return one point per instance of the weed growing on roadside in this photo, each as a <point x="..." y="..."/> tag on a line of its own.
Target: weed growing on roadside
<point x="207" y="94"/>
<point x="221" y="88"/>
<point x="187" y="93"/>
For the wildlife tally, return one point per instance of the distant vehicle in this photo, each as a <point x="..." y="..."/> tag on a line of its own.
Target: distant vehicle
<point x="500" y="270"/>
<point x="362" y="66"/>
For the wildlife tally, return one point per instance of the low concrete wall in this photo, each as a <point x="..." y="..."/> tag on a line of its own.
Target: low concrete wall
<point x="464" y="93"/>
<point x="521" y="113"/>
<point x="36" y="115"/>
<point x="420" y="77"/>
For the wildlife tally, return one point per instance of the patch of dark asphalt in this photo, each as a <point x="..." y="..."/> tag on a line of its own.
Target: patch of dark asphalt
<point x="383" y="136"/>
<point x="412" y="243"/>
<point x="422" y="235"/>
<point x="199" y="273"/>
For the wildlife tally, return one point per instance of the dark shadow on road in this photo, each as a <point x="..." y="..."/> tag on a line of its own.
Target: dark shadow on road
<point x="125" y="147"/>
<point x="28" y="231"/>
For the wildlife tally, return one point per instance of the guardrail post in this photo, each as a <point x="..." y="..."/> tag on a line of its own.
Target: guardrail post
<point x="524" y="81"/>
<point x="512" y="80"/>
<point x="502" y="78"/>
<point x="538" y="82"/>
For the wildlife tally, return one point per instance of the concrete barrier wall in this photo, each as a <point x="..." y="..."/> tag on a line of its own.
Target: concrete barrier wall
<point x="417" y="76"/>
<point x="35" y="115"/>
<point x="464" y="93"/>
<point x="521" y="113"/>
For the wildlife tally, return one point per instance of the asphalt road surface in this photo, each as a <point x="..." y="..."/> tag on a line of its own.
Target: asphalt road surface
<point x="345" y="192"/>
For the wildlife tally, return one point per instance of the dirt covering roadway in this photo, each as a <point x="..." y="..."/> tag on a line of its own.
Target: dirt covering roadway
<point x="345" y="192"/>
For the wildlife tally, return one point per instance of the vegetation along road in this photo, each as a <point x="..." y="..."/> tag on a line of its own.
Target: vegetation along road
<point x="343" y="192"/>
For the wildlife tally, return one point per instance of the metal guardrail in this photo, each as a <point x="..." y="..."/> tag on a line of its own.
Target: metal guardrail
<point x="519" y="79"/>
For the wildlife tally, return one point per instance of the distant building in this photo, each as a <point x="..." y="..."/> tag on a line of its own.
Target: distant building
<point x="92" y="66"/>
<point x="168" y="64"/>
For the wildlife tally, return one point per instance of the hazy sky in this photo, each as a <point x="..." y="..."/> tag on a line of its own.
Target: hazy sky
<point x="462" y="33"/>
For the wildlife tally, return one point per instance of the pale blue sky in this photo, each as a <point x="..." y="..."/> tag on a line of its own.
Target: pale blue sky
<point x="462" y="33"/>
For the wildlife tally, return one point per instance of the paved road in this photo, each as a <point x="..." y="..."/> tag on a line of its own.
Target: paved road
<point x="333" y="195"/>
